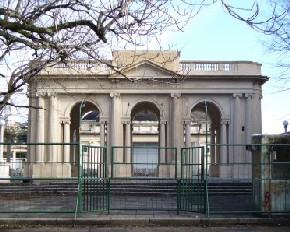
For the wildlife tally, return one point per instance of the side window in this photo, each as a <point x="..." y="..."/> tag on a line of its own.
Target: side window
<point x="280" y="158"/>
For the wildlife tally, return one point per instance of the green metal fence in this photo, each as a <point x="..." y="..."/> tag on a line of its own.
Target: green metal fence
<point x="93" y="179"/>
<point x="35" y="178"/>
<point x="248" y="179"/>
<point x="143" y="178"/>
<point x="223" y="179"/>
<point x="191" y="185"/>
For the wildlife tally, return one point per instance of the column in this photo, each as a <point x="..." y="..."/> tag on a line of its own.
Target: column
<point x="223" y="172"/>
<point x="128" y="141"/>
<point x="2" y="126"/>
<point x="176" y="123"/>
<point x="237" y="128"/>
<point x="177" y="131"/>
<point x="212" y="145"/>
<point x="102" y="133"/>
<point x="187" y="124"/>
<point x="13" y="163"/>
<point x="39" y="128"/>
<point x="52" y="129"/>
<point x="249" y="124"/>
<point x="164" y="168"/>
<point x="116" y="132"/>
<point x="223" y="147"/>
<point x="66" y="139"/>
<point x="162" y="135"/>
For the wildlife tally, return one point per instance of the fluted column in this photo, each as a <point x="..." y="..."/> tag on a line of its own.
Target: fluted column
<point x="237" y="127"/>
<point x="249" y="124"/>
<point x="52" y="156"/>
<point x="66" y="139"/>
<point x="39" y="128"/>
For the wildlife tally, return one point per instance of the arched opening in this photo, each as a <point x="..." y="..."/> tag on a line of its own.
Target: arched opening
<point x="205" y="127"/>
<point x="84" y="128"/>
<point x="145" y="117"/>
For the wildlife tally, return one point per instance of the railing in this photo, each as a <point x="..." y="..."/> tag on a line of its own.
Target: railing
<point x="219" y="67"/>
<point x="187" y="67"/>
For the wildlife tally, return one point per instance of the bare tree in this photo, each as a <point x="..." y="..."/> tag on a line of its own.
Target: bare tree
<point x="50" y="32"/>
<point x="271" y="18"/>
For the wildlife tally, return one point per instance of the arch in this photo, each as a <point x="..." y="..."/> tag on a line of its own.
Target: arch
<point x="83" y="128"/>
<point x="213" y="103"/>
<point x="72" y="104"/>
<point x="145" y="118"/>
<point x="150" y="102"/>
<point x="146" y="106"/>
<point x="208" y="131"/>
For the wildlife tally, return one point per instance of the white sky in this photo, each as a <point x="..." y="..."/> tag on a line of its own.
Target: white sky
<point x="214" y="35"/>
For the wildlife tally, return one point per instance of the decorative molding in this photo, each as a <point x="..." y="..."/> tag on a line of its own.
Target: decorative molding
<point x="187" y="121"/>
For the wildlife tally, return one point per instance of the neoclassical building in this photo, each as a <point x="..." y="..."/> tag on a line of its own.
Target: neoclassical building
<point x="149" y="98"/>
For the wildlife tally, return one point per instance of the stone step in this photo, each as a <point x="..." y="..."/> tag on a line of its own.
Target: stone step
<point x="124" y="187"/>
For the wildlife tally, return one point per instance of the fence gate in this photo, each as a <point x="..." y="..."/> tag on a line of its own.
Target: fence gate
<point x="94" y="184"/>
<point x="143" y="178"/>
<point x="191" y="186"/>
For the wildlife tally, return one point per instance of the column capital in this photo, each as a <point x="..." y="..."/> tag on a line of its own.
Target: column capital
<point x="126" y="121"/>
<point x="163" y="122"/>
<point x="66" y="121"/>
<point x="51" y="94"/>
<point x="187" y="122"/>
<point x="224" y="121"/>
<point x="114" y="94"/>
<point x="237" y="95"/>
<point x="248" y="95"/>
<point x="175" y="95"/>
<point x="40" y="94"/>
<point x="103" y="122"/>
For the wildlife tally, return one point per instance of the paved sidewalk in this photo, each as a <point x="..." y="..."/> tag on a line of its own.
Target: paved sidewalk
<point x="140" y="219"/>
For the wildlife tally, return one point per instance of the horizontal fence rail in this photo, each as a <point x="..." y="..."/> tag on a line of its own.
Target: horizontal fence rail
<point x="38" y="177"/>
<point x="247" y="179"/>
<point x="213" y="179"/>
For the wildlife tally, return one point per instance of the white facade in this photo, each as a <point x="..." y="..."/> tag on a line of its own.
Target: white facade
<point x="229" y="92"/>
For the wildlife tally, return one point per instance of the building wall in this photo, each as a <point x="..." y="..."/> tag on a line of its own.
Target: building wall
<point x="232" y="91"/>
